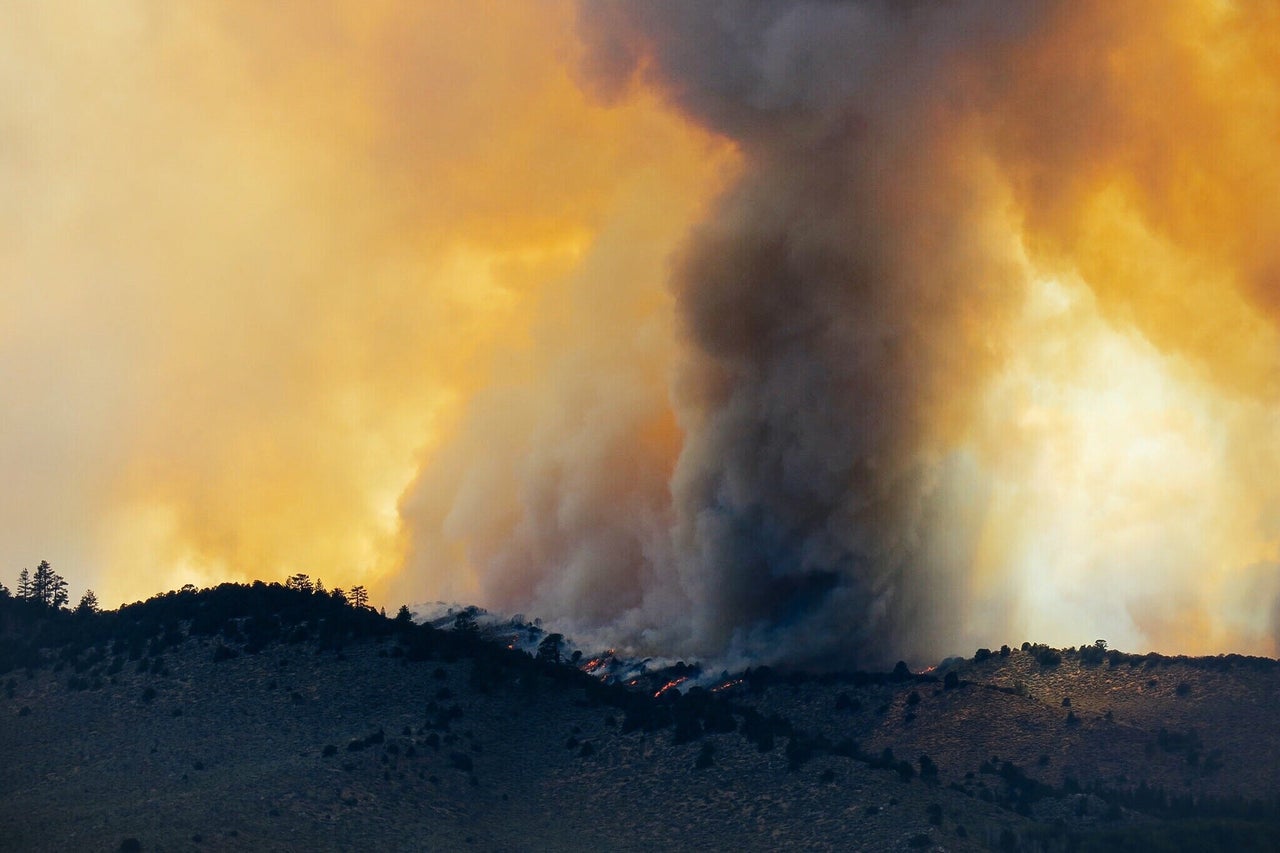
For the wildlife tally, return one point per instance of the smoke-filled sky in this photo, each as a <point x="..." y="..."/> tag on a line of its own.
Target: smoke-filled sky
<point x="746" y="330"/>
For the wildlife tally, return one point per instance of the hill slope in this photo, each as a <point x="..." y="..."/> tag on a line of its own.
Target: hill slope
<point x="258" y="720"/>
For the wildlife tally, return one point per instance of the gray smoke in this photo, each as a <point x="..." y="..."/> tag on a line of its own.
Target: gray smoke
<point x="828" y="306"/>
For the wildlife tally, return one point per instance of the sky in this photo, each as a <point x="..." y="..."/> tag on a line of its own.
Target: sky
<point x="789" y="331"/>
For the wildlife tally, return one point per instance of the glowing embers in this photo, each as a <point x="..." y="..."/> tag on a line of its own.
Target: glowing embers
<point x="602" y="666"/>
<point x="671" y="685"/>
<point x="728" y="685"/>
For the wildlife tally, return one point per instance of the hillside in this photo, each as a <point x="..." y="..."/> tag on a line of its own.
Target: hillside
<point x="260" y="718"/>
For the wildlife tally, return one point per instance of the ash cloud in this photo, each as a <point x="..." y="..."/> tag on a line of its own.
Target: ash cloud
<point x="808" y="331"/>
<point x="825" y="307"/>
<point x="948" y="361"/>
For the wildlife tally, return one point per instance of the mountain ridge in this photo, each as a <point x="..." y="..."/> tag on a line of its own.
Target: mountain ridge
<point x="261" y="717"/>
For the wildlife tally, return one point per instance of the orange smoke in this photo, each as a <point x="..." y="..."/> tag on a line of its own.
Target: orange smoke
<point x="1134" y="425"/>
<point x="954" y="325"/>
<point x="257" y="258"/>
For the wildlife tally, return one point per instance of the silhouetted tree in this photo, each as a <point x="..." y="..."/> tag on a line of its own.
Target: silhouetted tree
<point x="359" y="597"/>
<point x="24" y="584"/>
<point x="47" y="586"/>
<point x="465" y="622"/>
<point x="404" y="617"/>
<point x="549" y="648"/>
<point x="299" y="582"/>
<point x="88" y="603"/>
<point x="320" y="590"/>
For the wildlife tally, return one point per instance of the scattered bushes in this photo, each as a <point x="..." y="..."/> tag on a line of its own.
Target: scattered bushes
<point x="368" y="740"/>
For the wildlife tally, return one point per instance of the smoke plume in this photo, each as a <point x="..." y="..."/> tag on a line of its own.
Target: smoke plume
<point x="972" y="345"/>
<point x="815" y="331"/>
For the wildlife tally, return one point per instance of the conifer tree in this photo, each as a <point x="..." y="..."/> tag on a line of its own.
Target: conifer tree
<point x="300" y="582"/>
<point x="47" y="586"/>
<point x="24" y="584"/>
<point x="359" y="596"/>
<point x="88" y="603"/>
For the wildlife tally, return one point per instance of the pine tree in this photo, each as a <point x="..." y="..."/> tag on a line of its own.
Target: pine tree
<point x="359" y="596"/>
<point x="88" y="603"/>
<point x="24" y="584"/>
<point x="47" y="586"/>
<point x="299" y="582"/>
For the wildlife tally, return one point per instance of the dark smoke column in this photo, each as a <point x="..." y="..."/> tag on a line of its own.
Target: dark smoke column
<point x="837" y="309"/>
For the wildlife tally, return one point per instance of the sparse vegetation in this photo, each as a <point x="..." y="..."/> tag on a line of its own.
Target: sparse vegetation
<point x="826" y="723"/>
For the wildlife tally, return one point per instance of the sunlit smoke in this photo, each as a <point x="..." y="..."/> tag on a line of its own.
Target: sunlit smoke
<point x="811" y="331"/>
<point x="971" y="348"/>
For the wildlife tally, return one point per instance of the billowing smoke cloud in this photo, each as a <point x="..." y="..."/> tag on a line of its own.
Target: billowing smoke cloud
<point x="972" y="347"/>
<point x="254" y="260"/>
<point x="728" y="329"/>
<point x="825" y="306"/>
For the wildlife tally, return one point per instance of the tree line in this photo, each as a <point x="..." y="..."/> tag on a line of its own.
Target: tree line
<point x="46" y="587"/>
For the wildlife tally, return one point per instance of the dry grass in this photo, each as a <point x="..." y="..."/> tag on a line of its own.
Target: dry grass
<point x="229" y="756"/>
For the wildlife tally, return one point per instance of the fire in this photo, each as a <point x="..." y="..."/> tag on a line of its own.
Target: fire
<point x="728" y="684"/>
<point x="671" y="685"/>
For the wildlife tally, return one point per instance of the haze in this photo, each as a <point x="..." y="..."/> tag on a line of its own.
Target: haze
<point x="749" y="330"/>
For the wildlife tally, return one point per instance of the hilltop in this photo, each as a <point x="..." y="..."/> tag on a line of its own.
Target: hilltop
<point x="270" y="718"/>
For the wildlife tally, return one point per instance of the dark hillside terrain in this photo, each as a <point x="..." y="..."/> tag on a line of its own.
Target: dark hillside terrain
<point x="265" y="718"/>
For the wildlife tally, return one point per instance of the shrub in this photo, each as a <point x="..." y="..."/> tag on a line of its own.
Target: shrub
<point x="981" y="655"/>
<point x="130" y="845"/>
<point x="329" y="750"/>
<point x="461" y="761"/>
<point x="148" y="694"/>
<point x="1094" y="654"/>
<point x="1048" y="657"/>
<point x="706" y="757"/>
